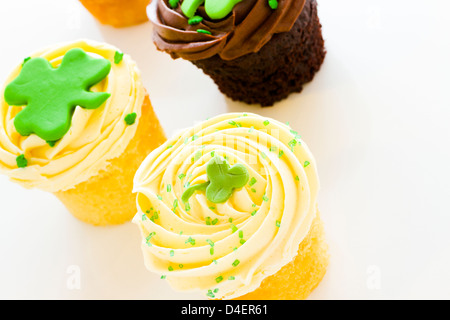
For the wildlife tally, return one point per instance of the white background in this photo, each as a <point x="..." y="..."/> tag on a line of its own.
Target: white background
<point x="376" y="117"/>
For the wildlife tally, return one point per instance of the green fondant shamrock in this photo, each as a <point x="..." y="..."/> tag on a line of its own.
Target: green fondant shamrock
<point x="215" y="9"/>
<point x="223" y="180"/>
<point x="51" y="94"/>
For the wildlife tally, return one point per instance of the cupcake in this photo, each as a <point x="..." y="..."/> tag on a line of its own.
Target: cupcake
<point x="228" y="208"/>
<point x="76" y="121"/>
<point x="118" y="13"/>
<point x="256" y="51"/>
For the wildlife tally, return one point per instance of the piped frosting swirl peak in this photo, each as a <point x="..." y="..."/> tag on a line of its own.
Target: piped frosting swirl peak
<point x="200" y="29"/>
<point x="225" y="241"/>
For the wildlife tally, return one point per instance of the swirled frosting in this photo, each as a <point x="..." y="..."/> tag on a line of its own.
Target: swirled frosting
<point x="94" y="137"/>
<point x="249" y="27"/>
<point x="226" y="250"/>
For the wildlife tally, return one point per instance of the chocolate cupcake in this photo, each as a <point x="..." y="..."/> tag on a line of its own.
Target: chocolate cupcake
<point x="257" y="51"/>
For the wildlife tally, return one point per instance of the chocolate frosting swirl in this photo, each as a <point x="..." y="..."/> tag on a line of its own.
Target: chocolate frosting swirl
<point x="247" y="29"/>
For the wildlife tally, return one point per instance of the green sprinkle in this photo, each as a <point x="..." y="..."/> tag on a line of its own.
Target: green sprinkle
<point x="211" y="251"/>
<point x="144" y="217"/>
<point x="215" y="261"/>
<point x="154" y="216"/>
<point x="170" y="268"/>
<point x="118" y="57"/>
<point x="212" y="154"/>
<point x="149" y="237"/>
<point x="252" y="128"/>
<point x="273" y="4"/>
<point x="216" y="290"/>
<point x="231" y="278"/>
<point x="265" y="198"/>
<point x="195" y="20"/>
<point x="233" y="228"/>
<point x="241" y="234"/>
<point x="266" y="122"/>
<point x="253" y="190"/>
<point x="214" y="222"/>
<point x="230" y="220"/>
<point x="204" y="31"/>
<point x="21" y="161"/>
<point x="292" y="144"/>
<point x="210" y="294"/>
<point x="194" y="137"/>
<point x="26" y="60"/>
<point x="191" y="241"/>
<point x="254" y="212"/>
<point x="198" y="155"/>
<point x="273" y="149"/>
<point x="233" y="123"/>
<point x="212" y="208"/>
<point x="169" y="188"/>
<point x="208" y="221"/>
<point x="242" y="241"/>
<point x="210" y="242"/>
<point x="219" y="279"/>
<point x="187" y="206"/>
<point x="235" y="248"/>
<point x="181" y="176"/>
<point x="307" y="163"/>
<point x="278" y="223"/>
<point x="163" y="277"/>
<point x="168" y="147"/>
<point x="172" y="253"/>
<point x="252" y="181"/>
<point x="180" y="266"/>
<point x="280" y="154"/>
<point x="159" y="197"/>
<point x="130" y="119"/>
<point x="173" y="3"/>
<point x="297" y="178"/>
<point x="175" y="205"/>
<point x="236" y="263"/>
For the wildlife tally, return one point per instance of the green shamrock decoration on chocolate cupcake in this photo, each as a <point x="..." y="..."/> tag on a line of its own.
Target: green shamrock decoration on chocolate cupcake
<point x="52" y="94"/>
<point x="223" y="180"/>
<point x="215" y="9"/>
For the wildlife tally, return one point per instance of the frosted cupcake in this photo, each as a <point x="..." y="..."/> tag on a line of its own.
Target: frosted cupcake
<point x="256" y="51"/>
<point x="229" y="208"/>
<point x="76" y="121"/>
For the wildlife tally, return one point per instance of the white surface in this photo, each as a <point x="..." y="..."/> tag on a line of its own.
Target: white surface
<point x="376" y="117"/>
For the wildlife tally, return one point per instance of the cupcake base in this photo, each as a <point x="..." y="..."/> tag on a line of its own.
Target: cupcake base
<point x="118" y="13"/>
<point x="297" y="279"/>
<point x="281" y="67"/>
<point x="107" y="198"/>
